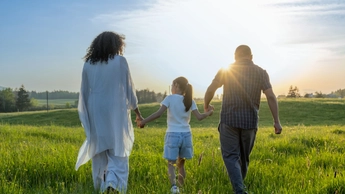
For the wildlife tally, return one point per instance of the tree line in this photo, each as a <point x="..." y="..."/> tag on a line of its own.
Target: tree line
<point x="23" y="100"/>
<point x="13" y="100"/>
<point x="56" y="94"/>
<point x="294" y="93"/>
<point x="147" y="96"/>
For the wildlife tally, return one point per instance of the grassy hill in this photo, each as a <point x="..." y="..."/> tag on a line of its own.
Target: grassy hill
<point x="39" y="150"/>
<point x="292" y="112"/>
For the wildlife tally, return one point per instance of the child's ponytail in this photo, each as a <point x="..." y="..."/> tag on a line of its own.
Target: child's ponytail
<point x="188" y="95"/>
<point x="187" y="91"/>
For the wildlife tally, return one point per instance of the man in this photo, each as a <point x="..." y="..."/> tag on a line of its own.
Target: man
<point x="242" y="84"/>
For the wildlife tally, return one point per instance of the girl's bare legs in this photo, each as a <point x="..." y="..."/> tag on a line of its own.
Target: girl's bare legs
<point x="171" y="171"/>
<point x="181" y="171"/>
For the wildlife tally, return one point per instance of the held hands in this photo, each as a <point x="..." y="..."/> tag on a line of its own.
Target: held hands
<point x="209" y="109"/>
<point x="277" y="128"/>
<point x="138" y="121"/>
<point x="141" y="124"/>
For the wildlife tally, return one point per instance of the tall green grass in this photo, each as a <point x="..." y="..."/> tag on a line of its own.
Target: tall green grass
<point x="38" y="153"/>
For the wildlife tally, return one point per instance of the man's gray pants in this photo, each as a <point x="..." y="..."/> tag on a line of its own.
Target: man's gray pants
<point x="236" y="145"/>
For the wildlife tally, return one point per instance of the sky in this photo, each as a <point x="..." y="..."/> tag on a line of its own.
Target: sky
<point x="298" y="42"/>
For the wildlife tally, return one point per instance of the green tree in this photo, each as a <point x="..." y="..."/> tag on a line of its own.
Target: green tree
<point x="340" y="93"/>
<point x="7" y="100"/>
<point x="319" y="94"/>
<point x="146" y="96"/>
<point x="23" y="100"/>
<point x="307" y="95"/>
<point x="33" y="102"/>
<point x="293" y="92"/>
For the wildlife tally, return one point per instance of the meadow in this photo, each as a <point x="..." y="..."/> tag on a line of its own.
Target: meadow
<point x="39" y="149"/>
<point x="56" y="102"/>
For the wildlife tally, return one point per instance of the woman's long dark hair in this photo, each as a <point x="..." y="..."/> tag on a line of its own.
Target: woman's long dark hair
<point x="187" y="91"/>
<point x="105" y="46"/>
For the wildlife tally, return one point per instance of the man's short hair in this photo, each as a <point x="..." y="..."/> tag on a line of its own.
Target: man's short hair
<point x="243" y="51"/>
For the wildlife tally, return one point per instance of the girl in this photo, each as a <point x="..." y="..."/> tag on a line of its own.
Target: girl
<point x="178" y="139"/>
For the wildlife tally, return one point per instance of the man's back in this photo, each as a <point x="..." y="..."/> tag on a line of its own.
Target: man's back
<point x="242" y="83"/>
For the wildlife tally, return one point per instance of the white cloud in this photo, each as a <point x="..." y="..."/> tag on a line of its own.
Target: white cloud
<point x="195" y="38"/>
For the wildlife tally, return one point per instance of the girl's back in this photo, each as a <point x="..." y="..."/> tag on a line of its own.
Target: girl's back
<point x="177" y="118"/>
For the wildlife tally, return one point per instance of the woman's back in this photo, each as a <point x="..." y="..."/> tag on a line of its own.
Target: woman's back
<point x="103" y="77"/>
<point x="109" y="95"/>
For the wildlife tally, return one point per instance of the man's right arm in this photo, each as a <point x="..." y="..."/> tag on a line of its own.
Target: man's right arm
<point x="216" y="83"/>
<point x="209" y="94"/>
<point x="273" y="104"/>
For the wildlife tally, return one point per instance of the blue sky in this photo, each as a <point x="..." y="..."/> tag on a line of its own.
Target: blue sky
<point x="298" y="42"/>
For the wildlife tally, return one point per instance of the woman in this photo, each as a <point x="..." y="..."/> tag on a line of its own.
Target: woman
<point x="106" y="99"/>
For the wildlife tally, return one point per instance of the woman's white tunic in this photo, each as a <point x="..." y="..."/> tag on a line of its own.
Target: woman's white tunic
<point x="106" y="99"/>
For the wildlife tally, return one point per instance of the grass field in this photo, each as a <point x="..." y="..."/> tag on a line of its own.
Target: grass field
<point x="39" y="149"/>
<point x="56" y="102"/>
